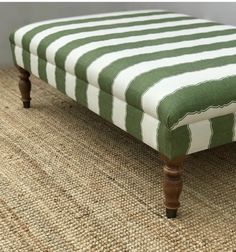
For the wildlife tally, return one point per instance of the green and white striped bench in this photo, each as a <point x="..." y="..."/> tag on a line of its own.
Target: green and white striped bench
<point x="167" y="79"/>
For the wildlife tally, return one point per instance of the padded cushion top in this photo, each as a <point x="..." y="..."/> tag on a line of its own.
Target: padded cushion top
<point x="174" y="67"/>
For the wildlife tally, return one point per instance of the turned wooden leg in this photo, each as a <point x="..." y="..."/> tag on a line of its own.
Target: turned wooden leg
<point x="24" y="86"/>
<point x="172" y="185"/>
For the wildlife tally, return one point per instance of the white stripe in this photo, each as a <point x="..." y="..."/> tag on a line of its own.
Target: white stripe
<point x="75" y="54"/>
<point x="149" y="125"/>
<point x="57" y="44"/>
<point x="206" y="114"/>
<point x="105" y="60"/>
<point x="70" y="85"/>
<point x="149" y="128"/>
<point x="50" y="70"/>
<point x="125" y="77"/>
<point x="18" y="51"/>
<point x="34" y="64"/>
<point x="92" y="98"/>
<point x="35" y="41"/>
<point x="234" y="128"/>
<point x="201" y="133"/>
<point x="119" y="113"/>
<point x="18" y="36"/>
<point x="51" y="77"/>
<point x="167" y="86"/>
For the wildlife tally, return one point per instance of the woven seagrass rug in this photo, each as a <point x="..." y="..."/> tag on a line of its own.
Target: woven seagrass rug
<point x="69" y="181"/>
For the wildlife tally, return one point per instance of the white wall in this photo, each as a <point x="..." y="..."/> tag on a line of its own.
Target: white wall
<point x="223" y="12"/>
<point x="11" y="16"/>
<point x="14" y="15"/>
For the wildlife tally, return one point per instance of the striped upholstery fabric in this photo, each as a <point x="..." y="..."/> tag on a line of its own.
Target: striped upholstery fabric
<point x="168" y="79"/>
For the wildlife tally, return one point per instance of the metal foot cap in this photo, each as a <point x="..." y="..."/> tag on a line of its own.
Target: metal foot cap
<point x="26" y="104"/>
<point x="171" y="213"/>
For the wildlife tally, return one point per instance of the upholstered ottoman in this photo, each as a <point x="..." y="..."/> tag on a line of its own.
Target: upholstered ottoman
<point x="167" y="79"/>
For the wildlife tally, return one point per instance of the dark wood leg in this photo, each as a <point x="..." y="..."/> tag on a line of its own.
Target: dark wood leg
<point x="24" y="86"/>
<point x="173" y="184"/>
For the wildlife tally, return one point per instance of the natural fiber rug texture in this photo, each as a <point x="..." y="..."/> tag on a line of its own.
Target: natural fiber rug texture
<point x="69" y="181"/>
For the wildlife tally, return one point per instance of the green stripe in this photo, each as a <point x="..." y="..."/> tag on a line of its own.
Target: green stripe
<point x="155" y="76"/>
<point x="65" y="50"/>
<point x="91" y="56"/>
<point x="105" y="111"/>
<point x="60" y="80"/>
<point x="146" y="80"/>
<point x="105" y="78"/>
<point x="81" y="92"/>
<point x="13" y="53"/>
<point x="174" y="143"/>
<point x="61" y="54"/>
<point x="51" y="38"/>
<point x="222" y="130"/>
<point x="134" y="98"/>
<point x="26" y="60"/>
<point x="41" y="51"/>
<point x="109" y="73"/>
<point x="41" y="67"/>
<point x="133" y="115"/>
<point x="30" y="34"/>
<point x="222" y="92"/>
<point x="60" y="74"/>
<point x="81" y="86"/>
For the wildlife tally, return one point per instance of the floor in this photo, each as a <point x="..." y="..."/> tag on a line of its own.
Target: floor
<point x="71" y="182"/>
